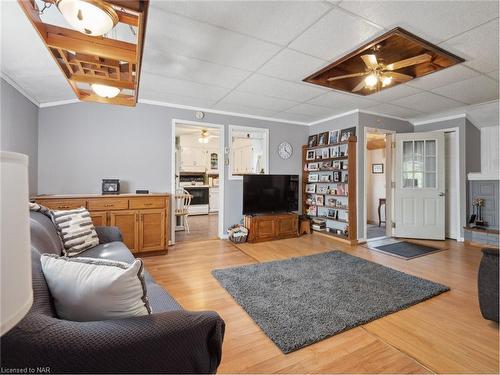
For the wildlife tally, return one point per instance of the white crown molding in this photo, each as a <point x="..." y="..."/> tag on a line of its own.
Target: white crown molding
<point x="59" y="102"/>
<point x="13" y="83"/>
<point x="383" y="115"/>
<point x="215" y="111"/>
<point x="334" y="117"/>
<point x="438" y="119"/>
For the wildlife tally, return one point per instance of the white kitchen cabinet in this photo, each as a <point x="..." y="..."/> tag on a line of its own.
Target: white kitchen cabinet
<point x="213" y="200"/>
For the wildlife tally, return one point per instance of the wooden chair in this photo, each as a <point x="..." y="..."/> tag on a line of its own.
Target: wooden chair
<point x="182" y="202"/>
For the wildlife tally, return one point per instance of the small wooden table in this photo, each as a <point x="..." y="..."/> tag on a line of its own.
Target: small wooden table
<point x="381" y="202"/>
<point x="305" y="227"/>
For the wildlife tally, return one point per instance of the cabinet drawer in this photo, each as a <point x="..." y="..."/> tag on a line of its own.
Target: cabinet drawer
<point x="102" y="204"/>
<point x="147" y="202"/>
<point x="63" y="204"/>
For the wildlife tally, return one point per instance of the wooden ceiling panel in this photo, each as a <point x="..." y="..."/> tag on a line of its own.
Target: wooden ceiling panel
<point x="394" y="46"/>
<point x="85" y="59"/>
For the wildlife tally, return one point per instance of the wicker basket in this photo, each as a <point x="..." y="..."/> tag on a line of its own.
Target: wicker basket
<point x="238" y="233"/>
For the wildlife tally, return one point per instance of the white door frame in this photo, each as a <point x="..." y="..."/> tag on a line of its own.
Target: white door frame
<point x="220" y="127"/>
<point x="457" y="158"/>
<point x="389" y="170"/>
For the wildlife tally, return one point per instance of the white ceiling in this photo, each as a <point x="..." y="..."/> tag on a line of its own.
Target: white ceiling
<point x="250" y="57"/>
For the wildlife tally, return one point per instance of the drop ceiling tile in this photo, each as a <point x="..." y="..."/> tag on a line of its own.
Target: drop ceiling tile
<point x="443" y="77"/>
<point x="471" y="91"/>
<point x="310" y="110"/>
<point x="394" y="110"/>
<point x="392" y="93"/>
<point x="334" y="35"/>
<point x="292" y="65"/>
<point x="173" y="34"/>
<point x="485" y="115"/>
<point x="275" y="21"/>
<point x="479" y="47"/>
<point x="494" y="75"/>
<point x="264" y="85"/>
<point x="190" y="69"/>
<point x="297" y="117"/>
<point x="258" y="101"/>
<point x="188" y="89"/>
<point x="338" y="100"/>
<point x="174" y="98"/>
<point x="427" y="102"/>
<point x="435" y="21"/>
<point x="244" y="109"/>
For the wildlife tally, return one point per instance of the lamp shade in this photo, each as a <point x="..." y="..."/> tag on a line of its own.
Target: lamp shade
<point x="15" y="255"/>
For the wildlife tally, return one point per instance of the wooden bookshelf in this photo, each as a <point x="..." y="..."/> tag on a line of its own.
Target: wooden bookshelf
<point x="347" y="197"/>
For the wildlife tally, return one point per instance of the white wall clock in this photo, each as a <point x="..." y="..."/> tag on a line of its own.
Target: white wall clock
<point x="285" y="150"/>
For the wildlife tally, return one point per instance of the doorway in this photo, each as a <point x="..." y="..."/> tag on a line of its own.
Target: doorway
<point x="377" y="187"/>
<point x="197" y="181"/>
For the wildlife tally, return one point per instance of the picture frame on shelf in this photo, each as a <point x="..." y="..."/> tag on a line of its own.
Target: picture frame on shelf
<point x="324" y="178"/>
<point x="334" y="152"/>
<point x="326" y="165"/>
<point x="313" y="177"/>
<point x="313" y="167"/>
<point x="347" y="133"/>
<point x="311" y="155"/>
<point x="337" y="176"/>
<point x="331" y="201"/>
<point x="322" y="189"/>
<point x="312" y="210"/>
<point x="325" y="153"/>
<point x="320" y="200"/>
<point x="378" y="168"/>
<point x="333" y="137"/>
<point x="310" y="188"/>
<point x="312" y="141"/>
<point x="323" y="139"/>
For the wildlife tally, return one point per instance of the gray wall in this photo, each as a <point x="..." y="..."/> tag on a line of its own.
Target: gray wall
<point x="489" y="190"/>
<point x="19" y="128"/>
<point x="81" y="143"/>
<point x="469" y="139"/>
<point x="361" y="121"/>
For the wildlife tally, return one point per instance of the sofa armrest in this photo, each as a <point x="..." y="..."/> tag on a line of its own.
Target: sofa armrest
<point x="170" y="342"/>
<point x="490" y="251"/>
<point x="108" y="234"/>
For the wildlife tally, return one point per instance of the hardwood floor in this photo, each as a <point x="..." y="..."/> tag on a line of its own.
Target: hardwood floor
<point x="445" y="334"/>
<point x="202" y="227"/>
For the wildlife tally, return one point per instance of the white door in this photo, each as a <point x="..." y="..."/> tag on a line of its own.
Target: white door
<point x="419" y="203"/>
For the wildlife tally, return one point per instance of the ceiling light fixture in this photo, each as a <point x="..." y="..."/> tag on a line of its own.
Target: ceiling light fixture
<point x="371" y="80"/>
<point x="386" y="81"/>
<point x="105" y="91"/>
<point x="90" y="17"/>
<point x="204" y="137"/>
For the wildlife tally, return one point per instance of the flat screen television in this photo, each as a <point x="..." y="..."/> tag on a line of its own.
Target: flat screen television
<point x="270" y="193"/>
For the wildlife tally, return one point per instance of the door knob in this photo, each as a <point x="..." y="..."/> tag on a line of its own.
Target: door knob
<point x="442" y="194"/>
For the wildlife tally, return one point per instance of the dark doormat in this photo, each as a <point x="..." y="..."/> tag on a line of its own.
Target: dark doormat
<point x="300" y="301"/>
<point x="407" y="250"/>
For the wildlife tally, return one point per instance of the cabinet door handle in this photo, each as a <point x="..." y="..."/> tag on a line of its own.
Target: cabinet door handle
<point x="148" y="204"/>
<point x="109" y="205"/>
<point x="63" y="207"/>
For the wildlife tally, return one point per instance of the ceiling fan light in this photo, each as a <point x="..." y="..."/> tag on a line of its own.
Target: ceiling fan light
<point x="386" y="81"/>
<point x="105" y="91"/>
<point x="371" y="80"/>
<point x="90" y="17"/>
<point x="203" y="140"/>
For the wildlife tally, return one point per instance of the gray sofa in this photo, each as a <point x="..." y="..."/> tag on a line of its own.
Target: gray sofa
<point x="171" y="340"/>
<point x="487" y="284"/>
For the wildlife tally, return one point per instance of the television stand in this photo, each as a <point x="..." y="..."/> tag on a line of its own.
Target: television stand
<point x="271" y="226"/>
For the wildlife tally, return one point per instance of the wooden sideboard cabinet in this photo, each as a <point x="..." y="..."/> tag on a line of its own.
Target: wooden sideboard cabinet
<point x="271" y="227"/>
<point x="142" y="219"/>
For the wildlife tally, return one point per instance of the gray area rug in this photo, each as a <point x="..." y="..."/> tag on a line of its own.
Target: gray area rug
<point x="300" y="301"/>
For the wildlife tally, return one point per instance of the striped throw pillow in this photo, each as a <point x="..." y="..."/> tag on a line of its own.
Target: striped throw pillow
<point x="76" y="230"/>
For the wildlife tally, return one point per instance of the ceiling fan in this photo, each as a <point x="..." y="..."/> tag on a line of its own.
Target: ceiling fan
<point x="378" y="74"/>
<point x="205" y="136"/>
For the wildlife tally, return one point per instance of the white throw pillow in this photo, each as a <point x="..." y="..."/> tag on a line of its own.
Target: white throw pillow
<point x="87" y="289"/>
<point x="76" y="230"/>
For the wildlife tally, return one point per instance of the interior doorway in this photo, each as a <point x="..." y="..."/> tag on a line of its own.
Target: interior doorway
<point x="378" y="186"/>
<point x="197" y="181"/>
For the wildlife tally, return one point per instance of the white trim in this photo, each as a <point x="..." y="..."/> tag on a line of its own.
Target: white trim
<point x="221" y="168"/>
<point x="13" y="83"/>
<point x="59" y="102"/>
<point x="215" y="111"/>
<point x="382" y="115"/>
<point x="430" y="121"/>
<point x="245" y="128"/>
<point x="478" y="176"/>
<point x="334" y="117"/>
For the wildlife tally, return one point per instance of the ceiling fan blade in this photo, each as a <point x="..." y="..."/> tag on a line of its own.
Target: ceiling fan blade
<point x="360" y="86"/>
<point x="348" y="76"/>
<point x="370" y="61"/>
<point x="399" y="76"/>
<point x="411" y="61"/>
